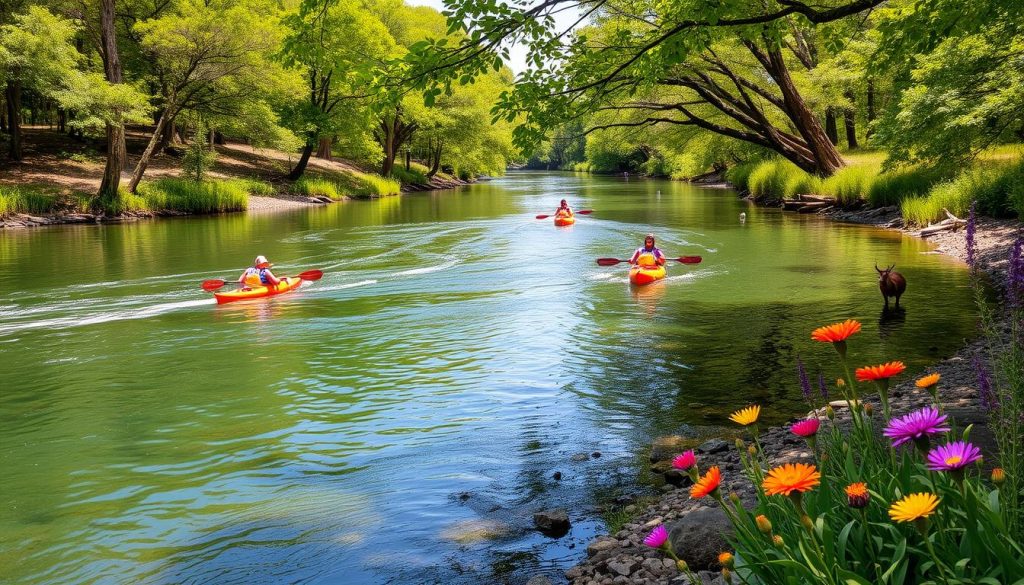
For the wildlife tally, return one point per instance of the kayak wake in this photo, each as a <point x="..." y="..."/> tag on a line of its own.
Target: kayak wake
<point x="104" y="317"/>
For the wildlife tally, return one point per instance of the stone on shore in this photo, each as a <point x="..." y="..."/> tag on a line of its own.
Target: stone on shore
<point x="702" y="534"/>
<point x="552" y="522"/>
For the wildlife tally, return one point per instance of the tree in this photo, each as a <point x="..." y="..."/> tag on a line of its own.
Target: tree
<point x="632" y="47"/>
<point x="337" y="47"/>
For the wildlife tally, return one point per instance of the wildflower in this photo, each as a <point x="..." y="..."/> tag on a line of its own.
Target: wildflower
<point x="840" y="382"/>
<point x="837" y="334"/>
<point x="726" y="560"/>
<point x="916" y="426"/>
<point x="971" y="227"/>
<point x="805" y="384"/>
<point x="914" y="507"/>
<point x="1015" y="276"/>
<point x="685" y="461"/>
<point x="857" y="495"/>
<point x="746" y="416"/>
<point x="953" y="456"/>
<point x="740" y="445"/>
<point x="875" y="373"/>
<point x="735" y="498"/>
<point x="658" y="537"/>
<point x="752" y="450"/>
<point x="763" y="524"/>
<point x="928" y="381"/>
<point x="821" y="386"/>
<point x="868" y="409"/>
<point x="988" y="397"/>
<point x="880" y="376"/>
<point x="707" y="484"/>
<point x="791" y="477"/>
<point x="806" y="428"/>
<point x="998" y="476"/>
<point x="830" y="412"/>
<point x="727" y="575"/>
<point x="682" y="566"/>
<point x="778" y="541"/>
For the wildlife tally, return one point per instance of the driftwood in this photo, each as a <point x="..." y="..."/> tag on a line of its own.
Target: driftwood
<point x="807" y="203"/>
<point x="951" y="222"/>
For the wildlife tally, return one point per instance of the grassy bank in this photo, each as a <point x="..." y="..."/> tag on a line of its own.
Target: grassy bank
<point x="36" y="200"/>
<point x="356" y="184"/>
<point x="995" y="180"/>
<point x="185" y="196"/>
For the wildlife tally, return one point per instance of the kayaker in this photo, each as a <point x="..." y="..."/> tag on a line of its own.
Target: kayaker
<point x="563" y="209"/>
<point x="259" y="274"/>
<point x="648" y="249"/>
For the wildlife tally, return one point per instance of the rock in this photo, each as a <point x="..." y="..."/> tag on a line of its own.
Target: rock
<point x="596" y="454"/>
<point x="601" y="544"/>
<point x="552" y="522"/>
<point x="713" y="446"/>
<point x="474" y="531"/>
<point x="677" y="478"/>
<point x="623" y="566"/>
<point x="665" y="448"/>
<point x="580" y="457"/>
<point x="539" y="580"/>
<point x="702" y="534"/>
<point x="557" y="476"/>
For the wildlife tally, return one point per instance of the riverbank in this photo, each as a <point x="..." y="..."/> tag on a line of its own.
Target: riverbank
<point x="61" y="175"/>
<point x="699" y="531"/>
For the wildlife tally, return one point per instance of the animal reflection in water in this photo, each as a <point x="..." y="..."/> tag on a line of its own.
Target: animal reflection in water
<point x="890" y="321"/>
<point x="892" y="284"/>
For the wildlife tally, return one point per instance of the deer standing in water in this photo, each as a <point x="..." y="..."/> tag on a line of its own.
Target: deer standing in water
<point x="892" y="284"/>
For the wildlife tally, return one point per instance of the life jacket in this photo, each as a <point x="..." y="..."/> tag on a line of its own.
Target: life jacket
<point x="255" y="276"/>
<point x="563" y="212"/>
<point x="647" y="258"/>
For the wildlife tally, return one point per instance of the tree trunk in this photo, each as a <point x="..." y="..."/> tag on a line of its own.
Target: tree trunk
<point x="169" y="135"/>
<point x="871" y="105"/>
<point x="408" y="159"/>
<point x="323" y="150"/>
<point x="62" y="120"/>
<point x="850" y="121"/>
<point x="147" y="155"/>
<point x="394" y="132"/>
<point x="830" y="126"/>
<point x="435" y="156"/>
<point x="13" y="98"/>
<point x="300" y="168"/>
<point x="117" y="153"/>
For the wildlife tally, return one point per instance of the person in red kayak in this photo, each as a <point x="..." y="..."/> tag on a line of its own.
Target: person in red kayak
<point x="259" y="274"/>
<point x="563" y="210"/>
<point x="648" y="254"/>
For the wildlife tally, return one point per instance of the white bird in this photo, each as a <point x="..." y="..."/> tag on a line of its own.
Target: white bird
<point x="743" y="217"/>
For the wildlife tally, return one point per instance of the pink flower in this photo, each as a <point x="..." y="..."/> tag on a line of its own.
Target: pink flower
<point x="806" y="428"/>
<point x="657" y="538"/>
<point x="916" y="426"/>
<point x="953" y="456"/>
<point x="685" y="461"/>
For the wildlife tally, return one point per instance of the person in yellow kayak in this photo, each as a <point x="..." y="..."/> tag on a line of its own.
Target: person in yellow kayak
<point x="648" y="254"/>
<point x="259" y="274"/>
<point x="563" y="209"/>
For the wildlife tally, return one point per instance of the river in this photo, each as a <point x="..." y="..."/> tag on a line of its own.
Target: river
<point x="399" y="420"/>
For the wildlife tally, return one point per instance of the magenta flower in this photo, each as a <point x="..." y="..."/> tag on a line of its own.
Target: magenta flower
<point x="953" y="456"/>
<point x="685" y="461"/>
<point x="657" y="538"/>
<point x="916" y="426"/>
<point x="806" y="428"/>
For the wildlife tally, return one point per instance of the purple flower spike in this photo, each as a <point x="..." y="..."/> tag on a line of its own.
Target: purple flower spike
<point x="988" y="397"/>
<point x="805" y="384"/>
<point x="657" y="538"/>
<point x="916" y="425"/>
<point x="953" y="456"/>
<point x="1015" y="276"/>
<point x="971" y="227"/>
<point x="822" y="386"/>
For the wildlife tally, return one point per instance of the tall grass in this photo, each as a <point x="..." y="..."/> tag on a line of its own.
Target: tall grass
<point x="352" y="183"/>
<point x="739" y="175"/>
<point x="998" y="189"/>
<point x="26" y="199"/>
<point x="849" y="184"/>
<point x="414" y="176"/>
<point x="365" y="185"/>
<point x="312" y="187"/>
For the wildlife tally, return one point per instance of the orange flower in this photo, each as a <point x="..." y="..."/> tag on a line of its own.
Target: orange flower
<point x="857" y="495"/>
<point x="706" y="484"/>
<point x="928" y="381"/>
<point x="836" y="332"/>
<point x="789" y="478"/>
<point x="882" y="372"/>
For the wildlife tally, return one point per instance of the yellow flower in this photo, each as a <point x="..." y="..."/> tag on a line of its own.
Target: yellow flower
<point x="746" y="416"/>
<point x="725" y="559"/>
<point x="791" y="477"/>
<point x="928" y="381"/>
<point x="914" y="506"/>
<point x="998" y="476"/>
<point x="840" y="382"/>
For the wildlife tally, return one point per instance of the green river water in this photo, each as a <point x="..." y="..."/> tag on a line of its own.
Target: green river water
<point x="455" y="355"/>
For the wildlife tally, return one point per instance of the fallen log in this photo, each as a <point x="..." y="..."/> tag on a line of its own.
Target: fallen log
<point x="951" y="222"/>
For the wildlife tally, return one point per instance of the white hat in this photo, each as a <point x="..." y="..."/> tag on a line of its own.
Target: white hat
<point x="260" y="261"/>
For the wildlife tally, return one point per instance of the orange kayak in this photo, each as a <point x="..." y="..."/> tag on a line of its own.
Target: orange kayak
<point x="641" y="275"/>
<point x="286" y="284"/>
<point x="563" y="221"/>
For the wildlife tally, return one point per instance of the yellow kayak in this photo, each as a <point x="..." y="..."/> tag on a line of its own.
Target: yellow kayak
<point x="641" y="275"/>
<point x="562" y="220"/>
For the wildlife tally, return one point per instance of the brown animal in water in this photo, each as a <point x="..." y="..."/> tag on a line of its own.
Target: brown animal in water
<point x="892" y="284"/>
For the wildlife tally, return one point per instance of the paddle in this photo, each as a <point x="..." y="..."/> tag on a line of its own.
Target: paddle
<point x="213" y="284"/>
<point x="580" y="212"/>
<point x="683" y="259"/>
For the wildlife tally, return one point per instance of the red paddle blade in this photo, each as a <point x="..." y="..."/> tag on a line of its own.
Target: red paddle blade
<point x="543" y="216"/>
<point x="689" y="259"/>
<point x="212" y="285"/>
<point x="585" y="211"/>
<point x="312" y="275"/>
<point x="608" y="261"/>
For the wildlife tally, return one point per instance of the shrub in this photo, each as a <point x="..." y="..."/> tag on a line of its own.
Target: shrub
<point x="849" y="184"/>
<point x="365" y="185"/>
<point x="414" y="176"/>
<point x="997" y="188"/>
<point x="893" y="187"/>
<point x="739" y="175"/>
<point x="770" y="178"/>
<point x="199" y="157"/>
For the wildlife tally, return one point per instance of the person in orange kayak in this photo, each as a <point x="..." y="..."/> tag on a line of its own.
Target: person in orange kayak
<point x="259" y="274"/>
<point x="563" y="210"/>
<point x="648" y="254"/>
